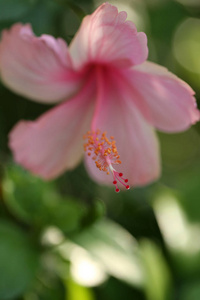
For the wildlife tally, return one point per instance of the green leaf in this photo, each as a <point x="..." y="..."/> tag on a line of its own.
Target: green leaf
<point x="158" y="281"/>
<point x="37" y="202"/>
<point x="65" y="214"/>
<point x="181" y="236"/>
<point x="24" y="194"/>
<point x="114" y="249"/>
<point x="13" y="9"/>
<point x="18" y="261"/>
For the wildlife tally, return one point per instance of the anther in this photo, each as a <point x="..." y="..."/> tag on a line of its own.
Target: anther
<point x="105" y="155"/>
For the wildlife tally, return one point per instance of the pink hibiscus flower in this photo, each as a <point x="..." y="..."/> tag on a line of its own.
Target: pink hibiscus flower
<point x="105" y="84"/>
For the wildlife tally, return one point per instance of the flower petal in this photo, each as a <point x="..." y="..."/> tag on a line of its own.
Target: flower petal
<point x="106" y="37"/>
<point x="39" y="68"/>
<point x="54" y="142"/>
<point x="168" y="100"/>
<point x="136" y="141"/>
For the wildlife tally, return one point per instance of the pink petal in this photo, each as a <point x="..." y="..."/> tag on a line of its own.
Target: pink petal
<point x="136" y="141"/>
<point x="168" y="100"/>
<point x="36" y="67"/>
<point x="106" y="37"/>
<point x="54" y="142"/>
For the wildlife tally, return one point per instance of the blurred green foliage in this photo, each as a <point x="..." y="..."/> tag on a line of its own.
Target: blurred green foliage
<point x="18" y="260"/>
<point x="72" y="239"/>
<point x="40" y="206"/>
<point x="11" y="9"/>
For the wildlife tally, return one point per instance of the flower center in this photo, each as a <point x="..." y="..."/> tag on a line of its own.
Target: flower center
<point x="105" y="155"/>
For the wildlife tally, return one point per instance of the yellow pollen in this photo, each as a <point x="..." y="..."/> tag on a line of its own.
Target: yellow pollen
<point x="105" y="155"/>
<point x="105" y="152"/>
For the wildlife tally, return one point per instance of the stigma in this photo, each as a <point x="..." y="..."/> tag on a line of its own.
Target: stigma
<point x="104" y="153"/>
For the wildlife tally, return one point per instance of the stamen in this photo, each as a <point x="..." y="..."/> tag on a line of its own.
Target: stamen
<point x="105" y="155"/>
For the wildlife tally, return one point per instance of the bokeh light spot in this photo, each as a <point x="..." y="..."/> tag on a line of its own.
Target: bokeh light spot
<point x="186" y="44"/>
